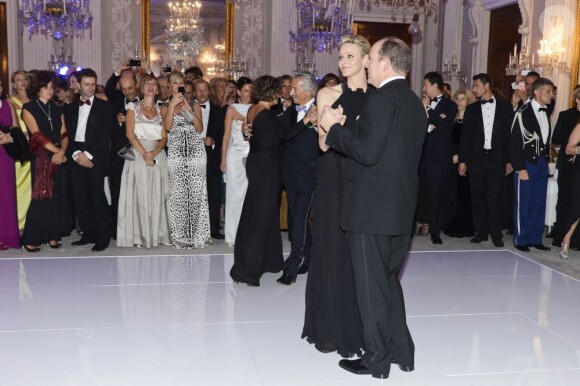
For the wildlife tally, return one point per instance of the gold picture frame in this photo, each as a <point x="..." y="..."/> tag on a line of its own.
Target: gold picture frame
<point x="575" y="58"/>
<point x="146" y="28"/>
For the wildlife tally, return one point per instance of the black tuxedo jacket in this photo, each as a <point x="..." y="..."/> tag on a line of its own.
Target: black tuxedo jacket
<point x="383" y="148"/>
<point x="473" y="136"/>
<point x="437" y="144"/>
<point x="100" y="126"/>
<point x="119" y="134"/>
<point x="567" y="120"/>
<point x="300" y="155"/>
<point x="111" y="88"/>
<point x="531" y="151"/>
<point x="215" y="124"/>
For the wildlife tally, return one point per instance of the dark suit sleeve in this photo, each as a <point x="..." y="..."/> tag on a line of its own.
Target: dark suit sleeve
<point x="366" y="143"/>
<point x="557" y="135"/>
<point x="467" y="131"/>
<point x="111" y="86"/>
<point x="286" y="130"/>
<point x="516" y="154"/>
<point x="216" y="129"/>
<point x="449" y="110"/>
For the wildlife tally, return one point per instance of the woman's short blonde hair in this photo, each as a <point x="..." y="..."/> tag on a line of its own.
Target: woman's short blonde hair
<point x="357" y="40"/>
<point x="468" y="95"/>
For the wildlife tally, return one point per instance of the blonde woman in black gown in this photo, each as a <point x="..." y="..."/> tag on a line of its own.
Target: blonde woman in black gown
<point x="332" y="321"/>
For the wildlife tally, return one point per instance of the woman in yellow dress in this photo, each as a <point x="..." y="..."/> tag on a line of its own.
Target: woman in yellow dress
<point x="20" y="82"/>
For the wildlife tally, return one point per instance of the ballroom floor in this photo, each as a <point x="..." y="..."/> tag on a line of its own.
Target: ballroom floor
<point x="130" y="317"/>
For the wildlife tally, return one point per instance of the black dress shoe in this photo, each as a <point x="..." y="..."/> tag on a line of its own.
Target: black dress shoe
<point x="99" y="248"/>
<point x="218" y="236"/>
<point x="541" y="247"/>
<point x="405" y="368"/>
<point x="80" y="242"/>
<point x="303" y="269"/>
<point x="550" y="235"/>
<point x="286" y="279"/>
<point x="498" y="243"/>
<point x="436" y="240"/>
<point x="523" y="248"/>
<point x="478" y="239"/>
<point x="356" y="367"/>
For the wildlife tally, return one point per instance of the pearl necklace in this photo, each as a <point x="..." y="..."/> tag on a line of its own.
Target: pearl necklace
<point x="149" y="108"/>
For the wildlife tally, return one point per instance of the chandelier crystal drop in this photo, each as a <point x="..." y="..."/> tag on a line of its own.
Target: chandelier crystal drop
<point x="55" y="18"/>
<point x="184" y="31"/>
<point x="427" y="6"/>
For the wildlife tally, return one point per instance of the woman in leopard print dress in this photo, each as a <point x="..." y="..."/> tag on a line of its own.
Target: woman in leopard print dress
<point x="188" y="207"/>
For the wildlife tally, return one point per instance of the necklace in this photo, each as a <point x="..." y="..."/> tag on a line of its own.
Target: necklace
<point x="149" y="108"/>
<point x="47" y="115"/>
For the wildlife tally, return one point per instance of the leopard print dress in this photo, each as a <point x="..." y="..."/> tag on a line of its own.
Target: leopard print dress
<point x="188" y="207"/>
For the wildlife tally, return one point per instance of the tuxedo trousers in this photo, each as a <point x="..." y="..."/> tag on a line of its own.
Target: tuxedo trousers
<point x="433" y="173"/>
<point x="377" y="261"/>
<point x="530" y="204"/>
<point x="299" y="204"/>
<point x="486" y="181"/>
<point x="91" y="205"/>
<point x="115" y="185"/>
<point x="214" y="188"/>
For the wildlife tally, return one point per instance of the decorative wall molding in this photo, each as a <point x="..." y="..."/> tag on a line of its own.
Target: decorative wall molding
<point x="122" y="42"/>
<point x="251" y="41"/>
<point x="526" y="11"/>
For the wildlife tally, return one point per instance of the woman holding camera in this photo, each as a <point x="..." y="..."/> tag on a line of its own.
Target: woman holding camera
<point x="187" y="160"/>
<point x="143" y="218"/>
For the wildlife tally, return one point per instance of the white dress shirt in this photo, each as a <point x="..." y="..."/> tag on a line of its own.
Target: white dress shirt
<point x="302" y="113"/>
<point x="542" y="118"/>
<point x="488" y="113"/>
<point x="205" y="117"/>
<point x="80" y="135"/>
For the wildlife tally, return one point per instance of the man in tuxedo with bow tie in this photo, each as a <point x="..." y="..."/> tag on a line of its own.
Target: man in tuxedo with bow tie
<point x="437" y="156"/>
<point x="128" y="87"/>
<point x="90" y="123"/>
<point x="529" y="152"/>
<point x="298" y="172"/>
<point x="213" y="117"/>
<point x="284" y="102"/>
<point x="483" y="152"/>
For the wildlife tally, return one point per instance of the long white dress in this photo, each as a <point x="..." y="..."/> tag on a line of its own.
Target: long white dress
<point x="188" y="206"/>
<point x="235" y="176"/>
<point x="143" y="217"/>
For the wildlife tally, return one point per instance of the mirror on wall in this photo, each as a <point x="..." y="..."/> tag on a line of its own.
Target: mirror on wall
<point x="216" y="22"/>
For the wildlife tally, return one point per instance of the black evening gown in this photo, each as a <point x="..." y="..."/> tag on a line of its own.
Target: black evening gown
<point x="50" y="218"/>
<point x="332" y="320"/>
<point x="574" y="212"/>
<point x="258" y="245"/>
<point x="460" y="223"/>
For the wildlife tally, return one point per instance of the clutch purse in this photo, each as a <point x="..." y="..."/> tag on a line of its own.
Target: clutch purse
<point x="18" y="149"/>
<point x="127" y="153"/>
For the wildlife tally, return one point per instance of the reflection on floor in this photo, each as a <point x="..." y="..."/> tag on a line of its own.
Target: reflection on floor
<point x="477" y="318"/>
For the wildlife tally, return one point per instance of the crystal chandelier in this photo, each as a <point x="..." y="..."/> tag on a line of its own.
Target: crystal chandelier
<point x="428" y="6"/>
<point x="320" y="24"/>
<point x="549" y="59"/>
<point x="61" y="62"/>
<point x="184" y="31"/>
<point x="518" y="62"/>
<point x="56" y="18"/>
<point x="451" y="70"/>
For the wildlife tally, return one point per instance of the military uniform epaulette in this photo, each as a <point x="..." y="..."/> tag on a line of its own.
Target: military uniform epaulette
<point x="523" y="107"/>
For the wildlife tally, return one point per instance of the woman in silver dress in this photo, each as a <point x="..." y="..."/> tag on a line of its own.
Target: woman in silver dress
<point x="188" y="207"/>
<point x="143" y="218"/>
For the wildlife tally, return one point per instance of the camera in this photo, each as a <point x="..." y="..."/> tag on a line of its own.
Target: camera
<point x="134" y="63"/>
<point x="166" y="69"/>
<point x="181" y="89"/>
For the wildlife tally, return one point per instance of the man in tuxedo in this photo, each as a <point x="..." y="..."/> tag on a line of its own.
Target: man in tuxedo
<point x="90" y="122"/>
<point x="379" y="185"/>
<point x="529" y="152"/>
<point x="483" y="150"/>
<point x="567" y="120"/>
<point x="285" y="102"/>
<point x="213" y="117"/>
<point x="128" y="87"/>
<point x="436" y="157"/>
<point x="298" y="172"/>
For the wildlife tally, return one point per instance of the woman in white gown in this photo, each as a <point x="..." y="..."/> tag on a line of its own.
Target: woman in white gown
<point x="233" y="159"/>
<point x="143" y="217"/>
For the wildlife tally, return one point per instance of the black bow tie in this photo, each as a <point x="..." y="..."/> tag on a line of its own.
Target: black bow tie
<point x="483" y="101"/>
<point x="203" y="106"/>
<point x="161" y="103"/>
<point x="436" y="99"/>
<point x="544" y="109"/>
<point x="134" y="100"/>
<point x="82" y="102"/>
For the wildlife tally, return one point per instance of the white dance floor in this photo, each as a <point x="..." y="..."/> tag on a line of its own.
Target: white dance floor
<point x="477" y="318"/>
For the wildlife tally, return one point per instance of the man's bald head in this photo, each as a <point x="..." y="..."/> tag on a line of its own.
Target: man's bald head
<point x="128" y="87"/>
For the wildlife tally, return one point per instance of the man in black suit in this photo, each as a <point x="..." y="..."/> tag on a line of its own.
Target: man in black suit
<point x="567" y="120"/>
<point x="483" y="151"/>
<point x="90" y="123"/>
<point x="529" y="152"/>
<point x="213" y="117"/>
<point x="436" y="157"/>
<point x="379" y="187"/>
<point x="285" y="102"/>
<point x="128" y="87"/>
<point x="298" y="172"/>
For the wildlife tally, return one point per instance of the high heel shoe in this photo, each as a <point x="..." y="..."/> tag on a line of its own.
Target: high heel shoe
<point x="55" y="246"/>
<point x="425" y="230"/>
<point x="418" y="227"/>
<point x="31" y="249"/>
<point x="564" y="251"/>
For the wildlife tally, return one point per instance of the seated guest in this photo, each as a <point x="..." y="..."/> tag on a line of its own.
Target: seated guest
<point x="9" y="235"/>
<point x="529" y="151"/>
<point x="144" y="199"/>
<point x="49" y="141"/>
